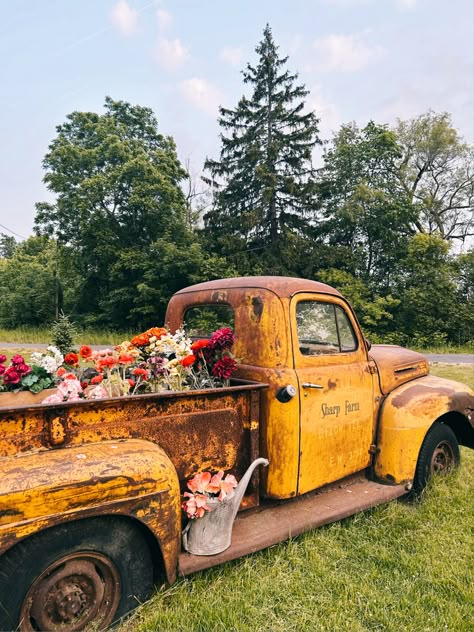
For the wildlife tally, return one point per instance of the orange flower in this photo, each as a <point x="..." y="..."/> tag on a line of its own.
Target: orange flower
<point x="141" y="340"/>
<point x="97" y="379"/>
<point x="69" y="376"/>
<point x="188" y="360"/>
<point x="85" y="351"/>
<point x="199" y="344"/>
<point x="61" y="371"/>
<point x="125" y="358"/>
<point x="156" y="331"/>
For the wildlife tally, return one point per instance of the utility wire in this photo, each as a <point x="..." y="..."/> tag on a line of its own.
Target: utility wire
<point x="12" y="231"/>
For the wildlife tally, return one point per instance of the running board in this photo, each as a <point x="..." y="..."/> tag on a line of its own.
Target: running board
<point x="276" y="521"/>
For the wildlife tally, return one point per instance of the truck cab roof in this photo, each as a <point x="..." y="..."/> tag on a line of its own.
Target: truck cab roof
<point x="279" y="285"/>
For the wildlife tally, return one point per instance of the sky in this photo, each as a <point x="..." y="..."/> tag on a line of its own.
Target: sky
<point x="360" y="60"/>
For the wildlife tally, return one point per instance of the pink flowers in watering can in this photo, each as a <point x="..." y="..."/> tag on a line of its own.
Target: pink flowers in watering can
<point x="204" y="486"/>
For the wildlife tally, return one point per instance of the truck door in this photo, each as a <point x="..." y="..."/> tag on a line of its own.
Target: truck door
<point x="335" y="388"/>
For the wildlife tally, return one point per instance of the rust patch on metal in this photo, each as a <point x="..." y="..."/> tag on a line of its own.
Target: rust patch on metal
<point x="257" y="307"/>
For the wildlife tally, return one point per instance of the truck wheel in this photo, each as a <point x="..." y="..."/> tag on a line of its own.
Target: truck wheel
<point x="439" y="454"/>
<point x="84" y="574"/>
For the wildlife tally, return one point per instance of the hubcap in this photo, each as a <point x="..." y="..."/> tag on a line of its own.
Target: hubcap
<point x="443" y="458"/>
<point x="77" y="590"/>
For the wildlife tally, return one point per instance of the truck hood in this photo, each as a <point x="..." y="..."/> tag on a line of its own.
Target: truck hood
<point x="397" y="365"/>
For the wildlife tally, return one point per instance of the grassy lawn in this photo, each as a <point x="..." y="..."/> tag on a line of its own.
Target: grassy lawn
<point x="43" y="335"/>
<point x="401" y="566"/>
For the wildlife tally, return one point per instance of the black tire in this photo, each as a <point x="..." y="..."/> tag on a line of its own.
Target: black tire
<point x="85" y="574"/>
<point x="439" y="454"/>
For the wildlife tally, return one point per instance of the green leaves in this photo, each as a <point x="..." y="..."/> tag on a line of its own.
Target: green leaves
<point x="37" y="380"/>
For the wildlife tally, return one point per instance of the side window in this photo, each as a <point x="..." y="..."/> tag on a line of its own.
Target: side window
<point x="323" y="328"/>
<point x="202" y="320"/>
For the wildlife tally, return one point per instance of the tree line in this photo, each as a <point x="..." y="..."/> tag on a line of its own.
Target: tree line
<point x="384" y="218"/>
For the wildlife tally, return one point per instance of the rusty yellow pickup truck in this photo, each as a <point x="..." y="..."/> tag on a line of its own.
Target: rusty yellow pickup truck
<point x="90" y="492"/>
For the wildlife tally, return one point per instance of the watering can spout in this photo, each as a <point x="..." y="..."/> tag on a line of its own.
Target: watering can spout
<point x="244" y="481"/>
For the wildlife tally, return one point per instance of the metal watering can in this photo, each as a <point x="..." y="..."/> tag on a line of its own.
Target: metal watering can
<point x="212" y="533"/>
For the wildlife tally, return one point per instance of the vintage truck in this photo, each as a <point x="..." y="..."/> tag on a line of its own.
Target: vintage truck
<point x="90" y="492"/>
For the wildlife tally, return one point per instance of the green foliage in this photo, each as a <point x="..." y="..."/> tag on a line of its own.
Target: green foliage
<point x="37" y="380"/>
<point x="27" y="284"/>
<point x="7" y="246"/>
<point x="263" y="182"/>
<point x="63" y="334"/>
<point x="118" y="206"/>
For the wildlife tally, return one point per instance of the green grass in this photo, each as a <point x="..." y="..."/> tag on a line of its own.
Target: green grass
<point x="43" y="335"/>
<point x="401" y="566"/>
<point x="468" y="347"/>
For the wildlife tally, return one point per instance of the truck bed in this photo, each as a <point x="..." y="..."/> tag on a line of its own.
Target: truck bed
<point x="199" y="430"/>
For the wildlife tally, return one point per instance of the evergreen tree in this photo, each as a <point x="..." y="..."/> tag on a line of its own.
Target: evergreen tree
<point x="264" y="185"/>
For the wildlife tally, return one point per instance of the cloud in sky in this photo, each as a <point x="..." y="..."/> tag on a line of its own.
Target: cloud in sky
<point x="170" y="53"/>
<point x="124" y="18"/>
<point x="328" y="114"/>
<point x="232" y="56"/>
<point x="202" y="94"/>
<point x="344" y="53"/>
<point x="164" y="18"/>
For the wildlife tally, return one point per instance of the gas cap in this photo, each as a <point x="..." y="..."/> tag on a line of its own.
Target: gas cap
<point x="286" y="393"/>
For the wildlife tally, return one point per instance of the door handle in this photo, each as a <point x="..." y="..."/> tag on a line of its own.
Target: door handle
<point x="311" y="385"/>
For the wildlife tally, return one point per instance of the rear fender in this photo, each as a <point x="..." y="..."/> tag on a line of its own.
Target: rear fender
<point x="408" y="413"/>
<point x="132" y="478"/>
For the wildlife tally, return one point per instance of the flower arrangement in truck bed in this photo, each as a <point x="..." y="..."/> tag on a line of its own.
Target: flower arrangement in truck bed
<point x="153" y="361"/>
<point x="36" y="376"/>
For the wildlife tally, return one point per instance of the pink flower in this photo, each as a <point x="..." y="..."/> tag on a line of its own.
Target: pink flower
<point x="55" y="398"/>
<point x="3" y="358"/>
<point x="98" y="392"/>
<point x="196" y="505"/>
<point x="222" y="486"/>
<point x="200" y="482"/>
<point x="224" y="368"/>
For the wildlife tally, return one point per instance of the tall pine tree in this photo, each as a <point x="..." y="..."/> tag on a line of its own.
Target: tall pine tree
<point x="263" y="181"/>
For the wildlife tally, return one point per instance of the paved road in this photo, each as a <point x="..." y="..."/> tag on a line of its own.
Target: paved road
<point x="451" y="358"/>
<point x="448" y="358"/>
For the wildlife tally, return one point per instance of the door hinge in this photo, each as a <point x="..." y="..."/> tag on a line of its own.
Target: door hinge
<point x="372" y="369"/>
<point x="373" y="449"/>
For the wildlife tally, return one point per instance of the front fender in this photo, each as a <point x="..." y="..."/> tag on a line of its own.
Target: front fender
<point x="406" y="415"/>
<point x="131" y="477"/>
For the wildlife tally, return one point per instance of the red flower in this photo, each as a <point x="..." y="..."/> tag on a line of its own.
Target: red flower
<point x="199" y="344"/>
<point x="23" y="369"/>
<point x="18" y="359"/>
<point x="2" y="369"/>
<point x="72" y="359"/>
<point x="131" y="382"/>
<point x="69" y="376"/>
<point x="3" y="358"/>
<point x="125" y="358"/>
<point x="188" y="360"/>
<point x="140" y="372"/>
<point x="222" y="339"/>
<point x="11" y="376"/>
<point x="85" y="351"/>
<point x="61" y="371"/>
<point x="97" y="379"/>
<point x="224" y="368"/>
<point x="108" y="361"/>
<point x="84" y="385"/>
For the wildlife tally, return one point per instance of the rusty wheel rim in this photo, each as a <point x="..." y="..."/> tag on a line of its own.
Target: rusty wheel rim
<point x="443" y="459"/>
<point x="78" y="590"/>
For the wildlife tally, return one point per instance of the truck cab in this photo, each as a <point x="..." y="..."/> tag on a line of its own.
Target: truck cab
<point x="333" y="403"/>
